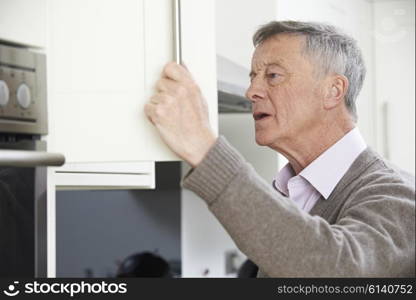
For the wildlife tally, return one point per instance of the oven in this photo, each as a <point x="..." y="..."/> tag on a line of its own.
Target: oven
<point x="23" y="162"/>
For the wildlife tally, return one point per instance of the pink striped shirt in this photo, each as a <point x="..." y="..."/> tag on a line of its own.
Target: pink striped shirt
<point x="321" y="176"/>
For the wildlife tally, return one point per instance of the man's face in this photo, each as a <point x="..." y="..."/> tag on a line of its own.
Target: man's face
<point x="284" y="90"/>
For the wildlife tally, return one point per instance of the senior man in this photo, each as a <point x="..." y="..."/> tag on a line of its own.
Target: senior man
<point x="337" y="209"/>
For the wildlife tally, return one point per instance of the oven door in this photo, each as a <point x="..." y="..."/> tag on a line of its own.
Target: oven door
<point x="23" y="207"/>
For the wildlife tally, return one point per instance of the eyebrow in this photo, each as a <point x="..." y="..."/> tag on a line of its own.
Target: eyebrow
<point x="277" y="63"/>
<point x="273" y="63"/>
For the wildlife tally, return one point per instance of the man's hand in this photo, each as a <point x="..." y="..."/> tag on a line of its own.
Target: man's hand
<point x="179" y="112"/>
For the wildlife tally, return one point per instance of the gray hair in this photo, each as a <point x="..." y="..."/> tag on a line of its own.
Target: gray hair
<point x="331" y="49"/>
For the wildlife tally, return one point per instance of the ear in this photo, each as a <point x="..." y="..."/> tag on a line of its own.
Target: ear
<point x="336" y="89"/>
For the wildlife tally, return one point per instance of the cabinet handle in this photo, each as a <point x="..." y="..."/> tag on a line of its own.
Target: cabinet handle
<point x="177" y="31"/>
<point x="29" y="159"/>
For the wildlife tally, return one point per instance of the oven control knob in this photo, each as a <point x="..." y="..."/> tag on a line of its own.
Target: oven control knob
<point x="4" y="93"/>
<point x="23" y="96"/>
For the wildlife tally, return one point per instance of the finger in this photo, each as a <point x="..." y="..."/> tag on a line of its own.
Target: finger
<point x="176" y="72"/>
<point x="160" y="98"/>
<point x="149" y="109"/>
<point x="153" y="100"/>
<point x="166" y="85"/>
<point x="167" y="88"/>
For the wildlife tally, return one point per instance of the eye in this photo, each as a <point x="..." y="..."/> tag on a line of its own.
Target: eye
<point x="273" y="75"/>
<point x="274" y="78"/>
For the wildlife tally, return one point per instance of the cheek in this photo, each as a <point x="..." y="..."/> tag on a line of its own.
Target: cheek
<point x="285" y="101"/>
<point x="296" y="101"/>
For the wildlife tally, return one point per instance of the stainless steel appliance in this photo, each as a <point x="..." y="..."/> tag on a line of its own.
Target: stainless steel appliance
<point x="232" y="84"/>
<point x="23" y="162"/>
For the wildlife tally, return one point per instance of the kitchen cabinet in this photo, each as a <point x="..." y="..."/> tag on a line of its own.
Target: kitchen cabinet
<point x="106" y="176"/>
<point x="23" y="22"/>
<point x="104" y="58"/>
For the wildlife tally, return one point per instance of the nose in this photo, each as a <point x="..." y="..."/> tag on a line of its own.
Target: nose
<point x="255" y="91"/>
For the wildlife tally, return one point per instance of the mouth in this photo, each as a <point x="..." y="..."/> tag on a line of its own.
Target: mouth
<point x="260" y="116"/>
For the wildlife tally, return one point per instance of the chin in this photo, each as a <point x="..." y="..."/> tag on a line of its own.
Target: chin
<point x="270" y="139"/>
<point x="262" y="140"/>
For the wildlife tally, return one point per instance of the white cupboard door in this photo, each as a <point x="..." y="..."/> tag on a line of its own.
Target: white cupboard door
<point x="23" y="22"/>
<point x="97" y="77"/>
<point x="99" y="61"/>
<point x="104" y="59"/>
<point x="198" y="47"/>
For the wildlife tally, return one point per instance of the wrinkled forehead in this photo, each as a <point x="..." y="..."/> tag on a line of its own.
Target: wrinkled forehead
<point x="283" y="48"/>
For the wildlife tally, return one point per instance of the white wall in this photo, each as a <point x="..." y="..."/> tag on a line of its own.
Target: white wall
<point x="204" y="240"/>
<point x="394" y="36"/>
<point x="23" y="22"/>
<point x="236" y="22"/>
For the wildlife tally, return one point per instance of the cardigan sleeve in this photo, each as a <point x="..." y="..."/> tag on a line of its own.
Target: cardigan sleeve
<point x="374" y="236"/>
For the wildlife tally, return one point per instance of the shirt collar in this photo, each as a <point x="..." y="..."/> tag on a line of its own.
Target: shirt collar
<point x="326" y="171"/>
<point x="281" y="180"/>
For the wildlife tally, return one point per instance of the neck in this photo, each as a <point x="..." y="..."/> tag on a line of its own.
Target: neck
<point x="300" y="151"/>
